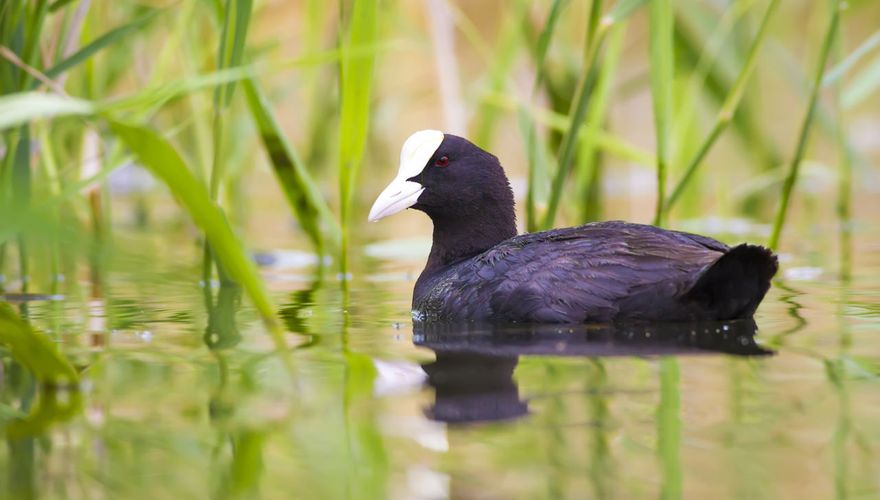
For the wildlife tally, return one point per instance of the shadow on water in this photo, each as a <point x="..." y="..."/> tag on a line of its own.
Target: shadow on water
<point x="473" y="372"/>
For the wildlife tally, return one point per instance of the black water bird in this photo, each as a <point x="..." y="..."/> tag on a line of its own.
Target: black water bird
<point x="479" y="269"/>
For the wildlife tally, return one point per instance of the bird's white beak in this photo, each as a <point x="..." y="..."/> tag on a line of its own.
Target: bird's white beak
<point x="402" y="193"/>
<point x="399" y="195"/>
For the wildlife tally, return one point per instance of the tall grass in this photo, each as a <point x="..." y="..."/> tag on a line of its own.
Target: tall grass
<point x="581" y="97"/>
<point x="728" y="108"/>
<point x="355" y="90"/>
<point x="662" y="56"/>
<point x="806" y="124"/>
<point x="108" y="71"/>
<point x="537" y="156"/>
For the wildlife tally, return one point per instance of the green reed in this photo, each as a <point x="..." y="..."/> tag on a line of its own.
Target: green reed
<point x="355" y="90"/>
<point x="235" y="15"/>
<point x="577" y="114"/>
<point x="806" y="124"/>
<point x="844" y="195"/>
<point x="728" y="108"/>
<point x="61" y="86"/>
<point x="581" y="99"/>
<point x="589" y="168"/>
<point x="537" y="162"/>
<point x="662" y="56"/>
<point x="34" y="349"/>
<point x="20" y="108"/>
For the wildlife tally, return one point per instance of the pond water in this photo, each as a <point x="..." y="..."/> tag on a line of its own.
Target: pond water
<point x="184" y="397"/>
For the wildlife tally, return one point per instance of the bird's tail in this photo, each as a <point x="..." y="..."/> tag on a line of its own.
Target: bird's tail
<point x="734" y="285"/>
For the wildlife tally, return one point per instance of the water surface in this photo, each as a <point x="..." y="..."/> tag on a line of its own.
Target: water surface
<point x="183" y="396"/>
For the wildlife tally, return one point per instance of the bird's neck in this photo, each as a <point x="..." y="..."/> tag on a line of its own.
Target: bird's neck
<point x="458" y="237"/>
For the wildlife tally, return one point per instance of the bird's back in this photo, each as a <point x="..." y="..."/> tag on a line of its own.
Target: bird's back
<point x="599" y="272"/>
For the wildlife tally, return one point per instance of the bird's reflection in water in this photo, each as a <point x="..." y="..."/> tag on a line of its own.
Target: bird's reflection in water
<point x="473" y="373"/>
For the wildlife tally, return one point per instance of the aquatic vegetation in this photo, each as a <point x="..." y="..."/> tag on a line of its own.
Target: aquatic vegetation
<point x="136" y="134"/>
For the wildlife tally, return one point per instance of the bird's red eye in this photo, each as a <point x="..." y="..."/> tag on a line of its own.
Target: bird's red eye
<point x="442" y="161"/>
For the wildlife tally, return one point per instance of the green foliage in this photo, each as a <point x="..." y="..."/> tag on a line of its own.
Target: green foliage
<point x="67" y="70"/>
<point x="114" y="36"/>
<point x="160" y="157"/>
<point x="662" y="75"/>
<point x="355" y="90"/>
<point x="20" y="109"/>
<point x="728" y="108"/>
<point x="34" y="350"/>
<point x="580" y="103"/>
<point x="806" y="124"/>
<point x="303" y="195"/>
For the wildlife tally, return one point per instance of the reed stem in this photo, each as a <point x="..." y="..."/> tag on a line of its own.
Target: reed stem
<point x="844" y="177"/>
<point x="794" y="167"/>
<point x="577" y="115"/>
<point x="537" y="160"/>
<point x="662" y="56"/>
<point x="589" y="169"/>
<point x="728" y="108"/>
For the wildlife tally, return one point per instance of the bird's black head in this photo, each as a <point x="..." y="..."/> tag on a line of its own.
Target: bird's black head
<point x="445" y="175"/>
<point x="460" y="186"/>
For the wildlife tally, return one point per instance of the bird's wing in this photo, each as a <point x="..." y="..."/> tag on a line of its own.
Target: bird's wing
<point x="600" y="269"/>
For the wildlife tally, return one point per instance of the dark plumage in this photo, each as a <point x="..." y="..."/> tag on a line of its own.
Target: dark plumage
<point x="478" y="269"/>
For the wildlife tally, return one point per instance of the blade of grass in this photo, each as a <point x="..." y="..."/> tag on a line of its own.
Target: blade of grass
<point x="586" y="172"/>
<point x="34" y="350"/>
<point x="300" y="189"/>
<point x="24" y="107"/>
<point x="719" y="81"/>
<point x="662" y="57"/>
<point x="791" y="177"/>
<point x="863" y="85"/>
<point x="57" y="4"/>
<point x="234" y="43"/>
<point x="159" y="156"/>
<point x="593" y="21"/>
<point x="728" y="108"/>
<point x="12" y="58"/>
<point x="570" y="137"/>
<point x="29" y="52"/>
<point x="788" y="66"/>
<point x="623" y="9"/>
<point x="605" y="141"/>
<point x="567" y="147"/>
<point x="837" y="72"/>
<point x="844" y="177"/>
<point x="21" y="197"/>
<point x="537" y="169"/>
<point x="719" y="45"/>
<point x="577" y="115"/>
<point x="236" y="17"/>
<point x="356" y="76"/>
<point x="537" y="158"/>
<point x="108" y="39"/>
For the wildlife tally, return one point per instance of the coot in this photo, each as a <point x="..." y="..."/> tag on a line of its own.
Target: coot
<point x="479" y="269"/>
